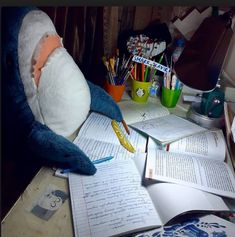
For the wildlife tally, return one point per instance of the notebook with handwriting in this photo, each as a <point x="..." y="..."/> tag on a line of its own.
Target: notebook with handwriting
<point x="97" y="139"/>
<point x="196" y="161"/>
<point x="114" y="203"/>
<point x="168" y="128"/>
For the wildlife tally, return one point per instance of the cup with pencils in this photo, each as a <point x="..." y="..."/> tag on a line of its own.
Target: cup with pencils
<point x="171" y="90"/>
<point x="118" y="71"/>
<point x="142" y="76"/>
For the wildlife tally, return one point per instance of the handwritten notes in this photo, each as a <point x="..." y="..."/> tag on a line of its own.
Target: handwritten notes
<point x="136" y="112"/>
<point x="111" y="202"/>
<point x="97" y="139"/>
<point x="168" y="128"/>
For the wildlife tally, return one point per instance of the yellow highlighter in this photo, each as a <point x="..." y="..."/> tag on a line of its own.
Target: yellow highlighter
<point x="121" y="137"/>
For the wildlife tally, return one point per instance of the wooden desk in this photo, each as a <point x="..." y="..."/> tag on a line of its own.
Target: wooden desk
<point x="19" y="222"/>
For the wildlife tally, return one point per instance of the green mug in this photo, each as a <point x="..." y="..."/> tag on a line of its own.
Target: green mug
<point x="140" y="91"/>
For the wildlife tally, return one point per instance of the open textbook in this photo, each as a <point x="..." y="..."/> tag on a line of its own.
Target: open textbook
<point x="194" y="170"/>
<point x="229" y="115"/>
<point x="209" y="145"/>
<point x="113" y="202"/>
<point x="97" y="139"/>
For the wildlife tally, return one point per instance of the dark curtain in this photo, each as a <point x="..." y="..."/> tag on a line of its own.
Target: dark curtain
<point x="82" y="31"/>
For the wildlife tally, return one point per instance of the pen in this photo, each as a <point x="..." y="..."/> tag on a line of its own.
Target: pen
<point x="117" y="61"/>
<point x="102" y="160"/>
<point x="146" y="74"/>
<point x="160" y="60"/>
<point x="167" y="64"/>
<point x="142" y="71"/>
<point x="126" y="127"/>
<point x="94" y="162"/>
<point x="168" y="80"/>
<point x="173" y="82"/>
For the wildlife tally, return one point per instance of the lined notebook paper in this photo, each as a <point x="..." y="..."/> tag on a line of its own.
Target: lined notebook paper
<point x="111" y="202"/>
<point x="97" y="139"/>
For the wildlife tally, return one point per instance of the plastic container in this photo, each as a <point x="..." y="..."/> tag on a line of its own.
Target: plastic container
<point x="169" y="97"/>
<point x="140" y="91"/>
<point x="116" y="91"/>
<point x="178" y="49"/>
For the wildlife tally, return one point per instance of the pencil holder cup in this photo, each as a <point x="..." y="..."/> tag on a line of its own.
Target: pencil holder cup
<point x="169" y="97"/>
<point x="116" y="91"/>
<point x="140" y="91"/>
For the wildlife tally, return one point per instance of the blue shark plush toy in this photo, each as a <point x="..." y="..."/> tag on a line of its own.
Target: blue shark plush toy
<point x="45" y="91"/>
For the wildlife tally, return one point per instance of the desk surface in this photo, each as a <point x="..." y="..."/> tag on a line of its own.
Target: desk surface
<point x="21" y="222"/>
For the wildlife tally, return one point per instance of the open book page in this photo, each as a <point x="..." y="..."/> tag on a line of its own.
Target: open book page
<point x="140" y="159"/>
<point x="171" y="200"/>
<point x="111" y="202"/>
<point x="206" y="225"/>
<point x="97" y="139"/>
<point x="206" y="174"/>
<point x="229" y="115"/>
<point x="209" y="144"/>
<point x="95" y="150"/>
<point x="168" y="128"/>
<point x="153" y="144"/>
<point x="230" y="203"/>
<point x="135" y="112"/>
<point x="229" y="112"/>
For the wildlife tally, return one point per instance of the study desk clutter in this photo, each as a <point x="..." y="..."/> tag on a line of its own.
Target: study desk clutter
<point x="20" y="221"/>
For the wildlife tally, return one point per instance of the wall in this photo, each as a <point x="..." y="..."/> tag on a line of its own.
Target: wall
<point x="229" y="64"/>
